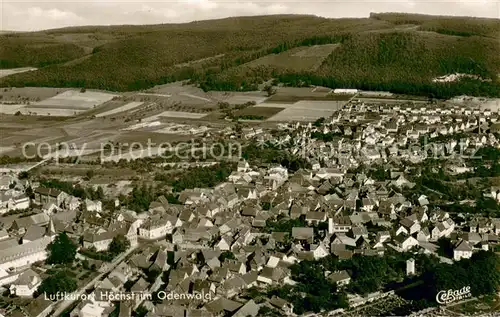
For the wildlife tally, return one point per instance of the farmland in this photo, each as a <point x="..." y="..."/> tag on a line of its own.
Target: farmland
<point x="307" y="110"/>
<point x="181" y="114"/>
<point x="66" y="104"/>
<point x="257" y="111"/>
<point x="127" y="107"/>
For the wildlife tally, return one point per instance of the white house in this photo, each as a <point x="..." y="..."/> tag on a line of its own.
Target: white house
<point x="26" y="284"/>
<point x="462" y="251"/>
<point x="319" y="251"/>
<point x="18" y="203"/>
<point x="158" y="228"/>
<point x="93" y="205"/>
<point x="406" y="243"/>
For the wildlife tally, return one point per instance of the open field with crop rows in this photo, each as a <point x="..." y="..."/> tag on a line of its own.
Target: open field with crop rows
<point x="307" y="110"/>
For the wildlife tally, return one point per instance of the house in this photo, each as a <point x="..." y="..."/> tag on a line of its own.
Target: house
<point x="33" y="233"/>
<point x="91" y="309"/>
<point x="339" y="224"/>
<point x="408" y="227"/>
<point x="72" y="203"/>
<point x="281" y="304"/>
<point x="423" y="234"/>
<point x="49" y="208"/>
<point x="462" y="250"/>
<point x="243" y="166"/>
<point x="93" y="205"/>
<point x="250" y="309"/>
<point x="100" y="241"/>
<point x="44" y="195"/>
<point x="381" y="237"/>
<point x="26" y="284"/>
<point x="314" y="217"/>
<point x="224" y="244"/>
<point x="18" y="203"/>
<point x="341" y="278"/>
<point x="156" y="228"/>
<point x="24" y="254"/>
<point x="303" y="233"/>
<point x="319" y="251"/>
<point x="405" y="243"/>
<point x="20" y="225"/>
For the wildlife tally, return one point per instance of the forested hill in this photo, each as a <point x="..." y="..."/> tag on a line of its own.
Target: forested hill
<point x="388" y="51"/>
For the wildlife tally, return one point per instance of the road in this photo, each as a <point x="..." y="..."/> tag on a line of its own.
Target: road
<point x="65" y="304"/>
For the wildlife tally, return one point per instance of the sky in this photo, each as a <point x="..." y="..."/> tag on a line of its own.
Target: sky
<point x="21" y="15"/>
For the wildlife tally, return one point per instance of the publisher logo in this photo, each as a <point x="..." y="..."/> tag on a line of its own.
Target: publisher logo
<point x="450" y="296"/>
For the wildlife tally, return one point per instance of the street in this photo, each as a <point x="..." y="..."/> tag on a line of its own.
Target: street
<point x="67" y="303"/>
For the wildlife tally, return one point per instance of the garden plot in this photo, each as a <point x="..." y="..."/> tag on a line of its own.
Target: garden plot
<point x="127" y="107"/>
<point x="306" y="110"/>
<point x="11" y="109"/>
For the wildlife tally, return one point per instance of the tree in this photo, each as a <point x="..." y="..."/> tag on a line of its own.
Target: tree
<point x="62" y="250"/>
<point x="269" y="90"/>
<point x="226" y="255"/>
<point x="29" y="192"/>
<point x="119" y="244"/>
<point x="62" y="282"/>
<point x="23" y="175"/>
<point x="90" y="174"/>
<point x="141" y="311"/>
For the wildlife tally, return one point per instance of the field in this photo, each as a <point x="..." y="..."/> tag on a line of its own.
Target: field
<point x="308" y="110"/>
<point x="11" y="109"/>
<point x="492" y="104"/>
<point x="76" y="100"/>
<point x="284" y="98"/>
<point x="55" y="112"/>
<point x="239" y="99"/>
<point x="127" y="107"/>
<point x="297" y="59"/>
<point x="11" y="71"/>
<point x="67" y="104"/>
<point x="258" y="111"/>
<point x="181" y="114"/>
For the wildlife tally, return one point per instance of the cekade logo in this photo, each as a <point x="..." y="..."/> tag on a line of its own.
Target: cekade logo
<point x="450" y="296"/>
